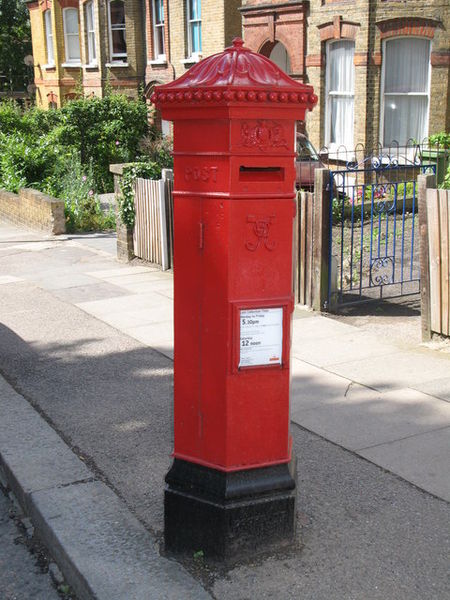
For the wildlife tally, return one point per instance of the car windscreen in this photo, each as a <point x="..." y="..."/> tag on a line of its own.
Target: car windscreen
<point x="305" y="150"/>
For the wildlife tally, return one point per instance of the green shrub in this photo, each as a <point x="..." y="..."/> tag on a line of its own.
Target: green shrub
<point x="157" y="149"/>
<point x="442" y="139"/>
<point x="27" y="161"/>
<point x="101" y="131"/>
<point x="67" y="152"/>
<point x="75" y="185"/>
<point x="104" y="131"/>
<point x="446" y="183"/>
<point x="10" y="117"/>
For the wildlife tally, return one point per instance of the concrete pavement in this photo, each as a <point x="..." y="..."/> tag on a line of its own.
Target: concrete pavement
<point x="89" y="343"/>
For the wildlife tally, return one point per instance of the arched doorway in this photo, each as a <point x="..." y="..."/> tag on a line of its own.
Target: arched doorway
<point x="278" y="53"/>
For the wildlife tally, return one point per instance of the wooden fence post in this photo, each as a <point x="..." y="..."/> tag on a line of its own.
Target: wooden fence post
<point x="167" y="177"/>
<point x="296" y="250"/>
<point x="321" y="238"/>
<point x="424" y="182"/>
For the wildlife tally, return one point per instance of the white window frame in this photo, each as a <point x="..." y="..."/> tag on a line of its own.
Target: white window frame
<point x="118" y="57"/>
<point x="70" y="60"/>
<point x="328" y="94"/>
<point x="382" y="94"/>
<point x="50" y="51"/>
<point x="190" y="21"/>
<point x="91" y="45"/>
<point x="159" y="54"/>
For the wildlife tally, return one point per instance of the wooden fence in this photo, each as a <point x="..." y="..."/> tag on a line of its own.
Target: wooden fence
<point x="434" y="230"/>
<point x="153" y="228"/>
<point x="438" y="213"/>
<point x="311" y="243"/>
<point x="303" y="247"/>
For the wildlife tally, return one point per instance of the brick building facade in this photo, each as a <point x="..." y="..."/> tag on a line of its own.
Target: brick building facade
<point x="191" y="30"/>
<point x="126" y="44"/>
<point x="86" y="44"/>
<point x="379" y="67"/>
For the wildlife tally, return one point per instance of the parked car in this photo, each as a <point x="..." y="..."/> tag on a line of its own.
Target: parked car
<point x="306" y="163"/>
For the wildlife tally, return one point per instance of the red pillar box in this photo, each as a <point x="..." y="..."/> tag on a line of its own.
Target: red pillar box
<point x="231" y="487"/>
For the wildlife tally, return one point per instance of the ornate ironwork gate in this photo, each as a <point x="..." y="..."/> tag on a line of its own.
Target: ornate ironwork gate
<point x="373" y="251"/>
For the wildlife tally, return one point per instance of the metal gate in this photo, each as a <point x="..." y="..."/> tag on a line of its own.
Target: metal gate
<point x="373" y="249"/>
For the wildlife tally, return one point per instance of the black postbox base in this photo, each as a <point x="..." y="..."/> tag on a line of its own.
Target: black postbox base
<point x="226" y="515"/>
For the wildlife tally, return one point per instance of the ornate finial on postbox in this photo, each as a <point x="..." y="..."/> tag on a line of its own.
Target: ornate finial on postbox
<point x="235" y="76"/>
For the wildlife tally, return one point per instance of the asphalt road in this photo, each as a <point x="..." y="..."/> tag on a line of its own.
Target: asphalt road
<point x="21" y="577"/>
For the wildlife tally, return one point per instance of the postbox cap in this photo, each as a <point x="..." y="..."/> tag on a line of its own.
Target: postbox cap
<point x="236" y="75"/>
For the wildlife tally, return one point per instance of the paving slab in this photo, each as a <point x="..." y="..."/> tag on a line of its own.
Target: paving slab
<point x="366" y="418"/>
<point x="103" y="550"/>
<point x="68" y="280"/>
<point x="35" y="245"/>
<point x="421" y="459"/>
<point x="126" y="303"/>
<point x="89" y="293"/>
<point x="127" y="320"/>
<point x="437" y="387"/>
<point x="145" y="287"/>
<point x="317" y="327"/>
<point x="119" y="271"/>
<point x="152" y="274"/>
<point x="104" y="242"/>
<point x="8" y="279"/>
<point x="344" y="347"/>
<point x="166" y="293"/>
<point x="400" y="370"/>
<point x="312" y="386"/>
<point x="158" y="335"/>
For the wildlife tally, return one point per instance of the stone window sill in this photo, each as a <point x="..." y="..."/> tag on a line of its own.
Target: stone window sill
<point x="195" y="58"/>
<point x="90" y="66"/>
<point x="112" y="65"/>
<point x="71" y="65"/>
<point x="49" y="67"/>
<point x="158" y="61"/>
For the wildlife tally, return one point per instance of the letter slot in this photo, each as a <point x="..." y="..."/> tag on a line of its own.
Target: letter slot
<point x="261" y="173"/>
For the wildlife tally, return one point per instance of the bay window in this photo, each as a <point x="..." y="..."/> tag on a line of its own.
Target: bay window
<point x="340" y="93"/>
<point x="90" y="33"/>
<point x="405" y="90"/>
<point x="117" y="35"/>
<point x="71" y="35"/>
<point x="158" y="30"/>
<point x="49" y="37"/>
<point x="194" y="22"/>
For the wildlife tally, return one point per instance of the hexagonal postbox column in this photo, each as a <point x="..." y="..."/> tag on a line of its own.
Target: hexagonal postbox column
<point x="231" y="487"/>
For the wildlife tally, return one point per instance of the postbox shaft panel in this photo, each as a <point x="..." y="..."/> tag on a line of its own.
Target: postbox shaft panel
<point x="236" y="254"/>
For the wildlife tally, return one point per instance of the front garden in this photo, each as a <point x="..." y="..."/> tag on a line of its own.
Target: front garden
<point x="66" y="152"/>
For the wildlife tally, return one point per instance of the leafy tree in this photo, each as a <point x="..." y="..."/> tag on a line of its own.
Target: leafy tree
<point x="104" y="131"/>
<point x="15" y="44"/>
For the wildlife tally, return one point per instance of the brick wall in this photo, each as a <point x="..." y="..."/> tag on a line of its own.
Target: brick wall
<point x="369" y="23"/>
<point x="30" y="208"/>
<point x="266" y="23"/>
